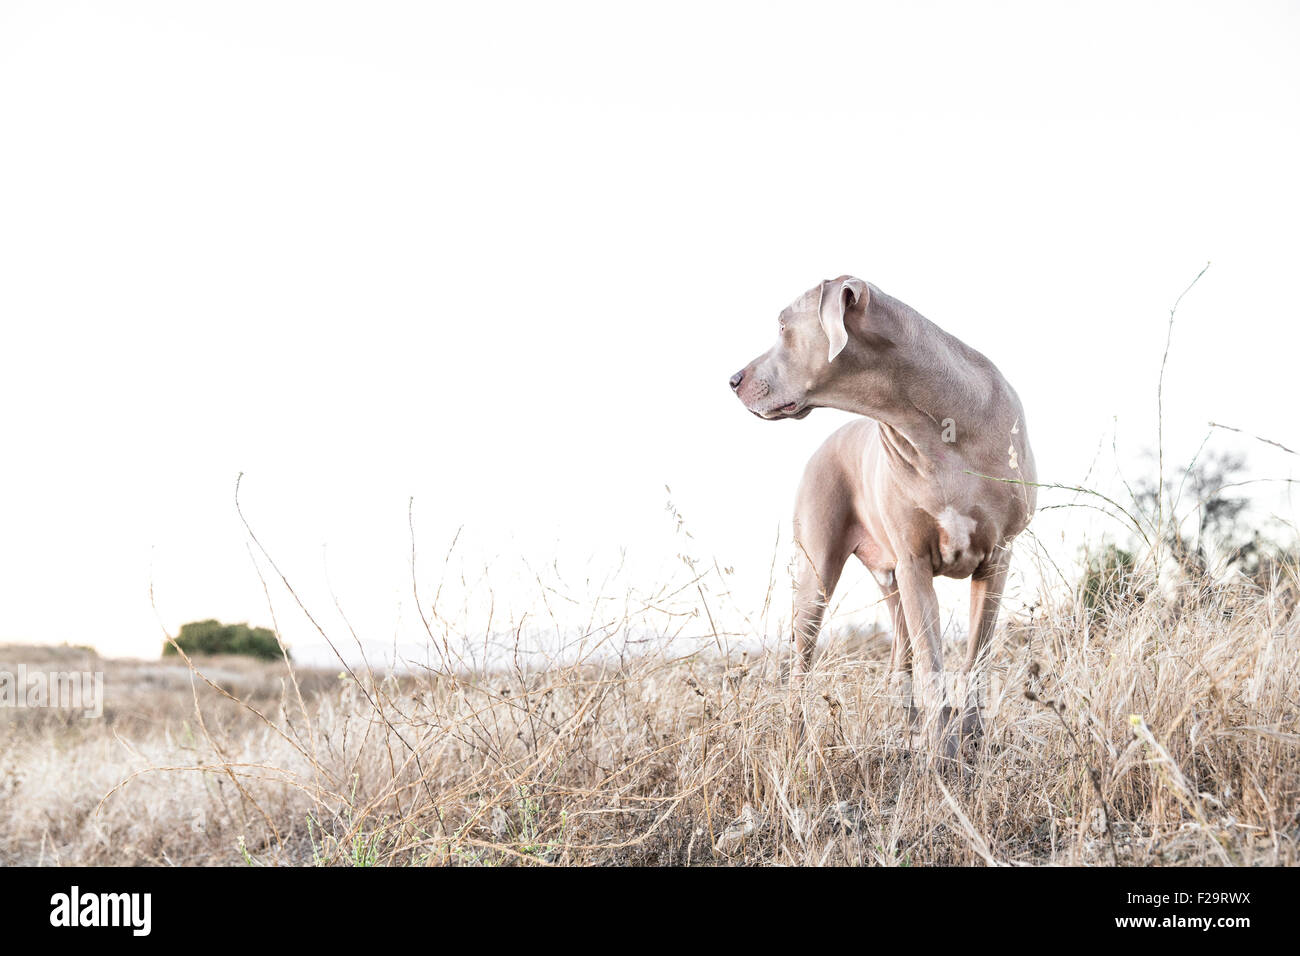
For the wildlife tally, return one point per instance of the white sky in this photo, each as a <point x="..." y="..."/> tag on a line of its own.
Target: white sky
<point x="503" y="258"/>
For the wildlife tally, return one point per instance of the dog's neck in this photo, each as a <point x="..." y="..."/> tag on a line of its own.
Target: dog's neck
<point x="927" y="389"/>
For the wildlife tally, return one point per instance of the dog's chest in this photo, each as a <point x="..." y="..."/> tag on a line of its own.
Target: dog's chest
<point x="961" y="541"/>
<point x="957" y="534"/>
<point x="943" y="513"/>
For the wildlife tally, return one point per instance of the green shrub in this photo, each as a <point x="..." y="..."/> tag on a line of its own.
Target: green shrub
<point x="213" y="637"/>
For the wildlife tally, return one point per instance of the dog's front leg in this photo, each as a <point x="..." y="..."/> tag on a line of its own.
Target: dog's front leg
<point x="900" y="658"/>
<point x="921" y="608"/>
<point x="986" y="588"/>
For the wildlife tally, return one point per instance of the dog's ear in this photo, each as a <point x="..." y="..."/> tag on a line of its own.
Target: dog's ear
<point x="836" y="298"/>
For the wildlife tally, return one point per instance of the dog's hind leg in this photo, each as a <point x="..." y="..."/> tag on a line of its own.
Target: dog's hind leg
<point x="818" y="565"/>
<point x="825" y="534"/>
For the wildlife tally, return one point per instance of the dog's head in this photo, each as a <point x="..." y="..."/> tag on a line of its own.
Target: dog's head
<point x="789" y="379"/>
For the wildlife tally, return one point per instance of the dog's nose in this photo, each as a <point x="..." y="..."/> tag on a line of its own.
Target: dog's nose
<point x="737" y="379"/>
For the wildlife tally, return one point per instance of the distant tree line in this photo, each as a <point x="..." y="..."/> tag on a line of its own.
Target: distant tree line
<point x="1203" y="528"/>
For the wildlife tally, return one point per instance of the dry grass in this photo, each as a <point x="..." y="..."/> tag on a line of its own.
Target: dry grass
<point x="1166" y="733"/>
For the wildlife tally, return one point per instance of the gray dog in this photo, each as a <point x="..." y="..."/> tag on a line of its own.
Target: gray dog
<point x="912" y="489"/>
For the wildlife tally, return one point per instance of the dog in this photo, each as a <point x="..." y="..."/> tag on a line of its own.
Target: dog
<point x="937" y="479"/>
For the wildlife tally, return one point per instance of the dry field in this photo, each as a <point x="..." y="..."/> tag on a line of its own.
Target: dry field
<point x="1166" y="731"/>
